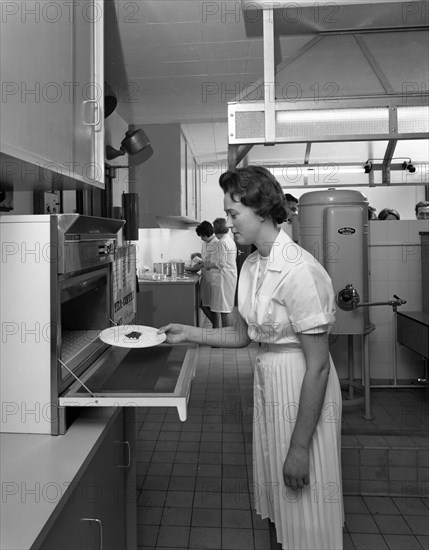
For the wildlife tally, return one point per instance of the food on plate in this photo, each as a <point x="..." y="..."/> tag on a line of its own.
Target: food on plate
<point x="136" y="335"/>
<point x="129" y="336"/>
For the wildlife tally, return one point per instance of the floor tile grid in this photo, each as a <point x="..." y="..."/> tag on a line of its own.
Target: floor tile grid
<point x="395" y="411"/>
<point x="209" y="523"/>
<point x="222" y="516"/>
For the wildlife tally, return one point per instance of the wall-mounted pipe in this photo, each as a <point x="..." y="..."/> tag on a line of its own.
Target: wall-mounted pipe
<point x="348" y="299"/>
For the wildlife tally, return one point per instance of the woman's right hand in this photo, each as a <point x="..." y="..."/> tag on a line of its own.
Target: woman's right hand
<point x="175" y="333"/>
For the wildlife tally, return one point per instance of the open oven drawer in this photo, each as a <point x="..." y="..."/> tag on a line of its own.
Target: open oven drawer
<point x="158" y="376"/>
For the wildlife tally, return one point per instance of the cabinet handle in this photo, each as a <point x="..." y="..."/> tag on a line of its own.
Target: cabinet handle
<point x="100" y="527"/>
<point x="128" y="464"/>
<point x="97" y="110"/>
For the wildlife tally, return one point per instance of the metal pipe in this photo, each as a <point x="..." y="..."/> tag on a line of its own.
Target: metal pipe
<point x="366" y="377"/>
<point x="395" y="355"/>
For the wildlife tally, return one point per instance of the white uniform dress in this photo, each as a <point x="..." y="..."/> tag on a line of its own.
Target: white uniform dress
<point x="224" y="279"/>
<point x="208" y="252"/>
<point x="287" y="294"/>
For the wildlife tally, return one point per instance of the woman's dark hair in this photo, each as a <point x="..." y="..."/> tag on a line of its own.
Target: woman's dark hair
<point x="219" y="226"/>
<point x="205" y="229"/>
<point x="290" y="198"/>
<point x="257" y="188"/>
<point x="421" y="204"/>
<point x="386" y="211"/>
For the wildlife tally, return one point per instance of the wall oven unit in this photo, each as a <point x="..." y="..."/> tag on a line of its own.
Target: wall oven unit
<point x="64" y="279"/>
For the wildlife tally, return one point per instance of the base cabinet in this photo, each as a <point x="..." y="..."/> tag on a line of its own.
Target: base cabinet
<point x="100" y="510"/>
<point x="161" y="303"/>
<point x="412" y="329"/>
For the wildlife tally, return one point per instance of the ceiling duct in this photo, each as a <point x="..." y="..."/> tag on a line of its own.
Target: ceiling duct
<point x="341" y="86"/>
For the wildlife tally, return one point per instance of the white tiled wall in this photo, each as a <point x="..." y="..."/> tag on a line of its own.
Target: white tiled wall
<point x="395" y="268"/>
<point x="163" y="245"/>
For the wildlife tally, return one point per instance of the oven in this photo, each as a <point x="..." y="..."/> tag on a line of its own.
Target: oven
<point x="64" y="280"/>
<point x="83" y="309"/>
<point x="81" y="292"/>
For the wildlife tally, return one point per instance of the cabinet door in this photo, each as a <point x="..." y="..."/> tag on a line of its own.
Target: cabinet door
<point x="51" y="59"/>
<point x="107" y="473"/>
<point x="183" y="175"/>
<point x="190" y="184"/>
<point x="37" y="90"/>
<point x="161" y="303"/>
<point x="94" y="515"/>
<point x="88" y="81"/>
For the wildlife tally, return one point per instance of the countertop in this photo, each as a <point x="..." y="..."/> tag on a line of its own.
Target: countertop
<point x="36" y="471"/>
<point x="189" y="279"/>
<point x="419" y="316"/>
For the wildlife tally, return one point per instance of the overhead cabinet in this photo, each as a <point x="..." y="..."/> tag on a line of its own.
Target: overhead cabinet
<point x="168" y="184"/>
<point x="52" y="100"/>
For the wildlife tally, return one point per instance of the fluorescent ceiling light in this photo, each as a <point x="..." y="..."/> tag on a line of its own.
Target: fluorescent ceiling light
<point x="311" y="170"/>
<point x="316" y="116"/>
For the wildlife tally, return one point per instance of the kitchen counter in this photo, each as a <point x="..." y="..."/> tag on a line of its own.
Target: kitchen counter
<point x="419" y="316"/>
<point x="412" y="328"/>
<point x="190" y="279"/>
<point x="38" y="472"/>
<point x="163" y="301"/>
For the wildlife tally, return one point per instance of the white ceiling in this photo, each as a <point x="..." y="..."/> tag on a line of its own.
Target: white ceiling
<point x="184" y="60"/>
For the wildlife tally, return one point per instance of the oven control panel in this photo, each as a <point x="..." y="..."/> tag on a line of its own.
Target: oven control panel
<point x="83" y="254"/>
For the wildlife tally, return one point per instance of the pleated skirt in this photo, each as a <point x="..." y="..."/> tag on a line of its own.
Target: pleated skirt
<point x="310" y="518"/>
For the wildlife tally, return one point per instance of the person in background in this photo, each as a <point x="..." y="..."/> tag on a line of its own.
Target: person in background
<point x="422" y="210"/>
<point x="290" y="225"/>
<point x="372" y="213"/>
<point x="389" y="214"/>
<point x="286" y="303"/>
<point x="291" y="206"/>
<point x="208" y="252"/>
<point x="223" y="273"/>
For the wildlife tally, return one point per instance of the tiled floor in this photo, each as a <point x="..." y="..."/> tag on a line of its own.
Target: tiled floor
<point x="195" y="478"/>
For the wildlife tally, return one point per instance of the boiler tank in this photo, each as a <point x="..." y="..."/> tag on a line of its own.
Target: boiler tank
<point x="333" y="226"/>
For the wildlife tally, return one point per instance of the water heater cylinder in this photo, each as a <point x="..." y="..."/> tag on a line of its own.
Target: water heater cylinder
<point x="333" y="226"/>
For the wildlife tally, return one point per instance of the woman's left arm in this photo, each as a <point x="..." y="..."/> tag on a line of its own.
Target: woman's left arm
<point x="313" y="389"/>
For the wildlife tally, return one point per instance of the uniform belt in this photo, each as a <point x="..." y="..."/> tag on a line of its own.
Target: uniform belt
<point x="279" y="348"/>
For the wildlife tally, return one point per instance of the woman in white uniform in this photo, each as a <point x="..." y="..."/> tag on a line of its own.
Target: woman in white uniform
<point x="208" y="253"/>
<point x="224" y="273"/>
<point x="286" y="303"/>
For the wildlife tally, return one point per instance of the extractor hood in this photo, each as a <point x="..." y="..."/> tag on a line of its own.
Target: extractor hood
<point x="176" y="222"/>
<point x="362" y="85"/>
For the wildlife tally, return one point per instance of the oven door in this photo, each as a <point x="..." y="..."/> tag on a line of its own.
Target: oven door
<point x="84" y="310"/>
<point x="158" y="376"/>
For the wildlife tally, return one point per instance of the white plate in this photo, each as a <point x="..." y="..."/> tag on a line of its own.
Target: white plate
<point x="132" y="336"/>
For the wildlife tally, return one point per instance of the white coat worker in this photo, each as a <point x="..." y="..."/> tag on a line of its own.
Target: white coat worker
<point x="224" y="273"/>
<point x="208" y="253"/>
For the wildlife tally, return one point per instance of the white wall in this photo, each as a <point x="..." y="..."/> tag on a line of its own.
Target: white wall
<point x="395" y="268"/>
<point x="211" y="193"/>
<point x="22" y="203"/>
<point x="163" y="245"/>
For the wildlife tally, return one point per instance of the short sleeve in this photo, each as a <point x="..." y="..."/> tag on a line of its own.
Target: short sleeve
<point x="309" y="299"/>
